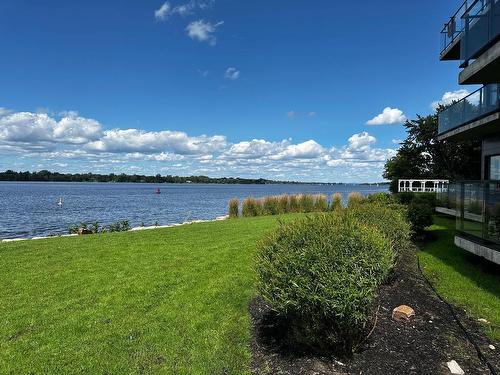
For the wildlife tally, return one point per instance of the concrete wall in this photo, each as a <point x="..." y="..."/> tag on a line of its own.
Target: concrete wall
<point x="478" y="249"/>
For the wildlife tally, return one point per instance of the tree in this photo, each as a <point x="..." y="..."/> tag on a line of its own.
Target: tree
<point x="422" y="155"/>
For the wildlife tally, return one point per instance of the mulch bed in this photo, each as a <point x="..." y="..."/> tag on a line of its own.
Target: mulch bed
<point x="422" y="346"/>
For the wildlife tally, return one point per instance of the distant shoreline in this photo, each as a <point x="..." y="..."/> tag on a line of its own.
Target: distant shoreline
<point x="47" y="176"/>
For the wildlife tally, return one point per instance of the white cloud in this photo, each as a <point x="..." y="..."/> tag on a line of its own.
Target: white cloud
<point x="232" y="73"/>
<point x="37" y="128"/>
<point x="163" y="12"/>
<point x="311" y="114"/>
<point x="306" y="150"/>
<point x="29" y="139"/>
<point x="167" y="10"/>
<point x="449" y="97"/>
<point x="4" y="111"/>
<point x="135" y="140"/>
<point x="389" y="116"/>
<point x="203" y="31"/>
<point x="291" y="114"/>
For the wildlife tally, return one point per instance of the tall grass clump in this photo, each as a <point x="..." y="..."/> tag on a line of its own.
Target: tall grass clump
<point x="306" y="202"/>
<point x="283" y="203"/>
<point x="293" y="204"/>
<point x="320" y="203"/>
<point x="354" y="199"/>
<point x="251" y="207"/>
<point x="234" y="205"/>
<point x="336" y="202"/>
<point x="270" y="205"/>
<point x="321" y="274"/>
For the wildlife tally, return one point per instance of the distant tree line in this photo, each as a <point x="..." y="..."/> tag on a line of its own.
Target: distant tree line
<point x="45" y="175"/>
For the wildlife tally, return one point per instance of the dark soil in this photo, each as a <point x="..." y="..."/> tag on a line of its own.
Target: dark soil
<point x="421" y="346"/>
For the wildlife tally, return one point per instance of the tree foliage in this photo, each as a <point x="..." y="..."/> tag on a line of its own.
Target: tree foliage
<point x="422" y="155"/>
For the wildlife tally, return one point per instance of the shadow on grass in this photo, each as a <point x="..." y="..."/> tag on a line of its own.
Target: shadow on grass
<point x="439" y="243"/>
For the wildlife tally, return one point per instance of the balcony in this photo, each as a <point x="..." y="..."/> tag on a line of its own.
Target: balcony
<point x="476" y="115"/>
<point x="473" y="28"/>
<point x="452" y="33"/>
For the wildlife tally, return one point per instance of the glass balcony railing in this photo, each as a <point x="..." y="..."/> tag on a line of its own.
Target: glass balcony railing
<point x="478" y="204"/>
<point x="454" y="27"/>
<point x="480" y="103"/>
<point x="480" y="27"/>
<point x="447" y="197"/>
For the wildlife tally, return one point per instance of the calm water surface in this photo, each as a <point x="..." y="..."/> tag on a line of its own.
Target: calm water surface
<point x="30" y="209"/>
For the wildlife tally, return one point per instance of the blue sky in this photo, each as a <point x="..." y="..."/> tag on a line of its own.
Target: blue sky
<point x="217" y="87"/>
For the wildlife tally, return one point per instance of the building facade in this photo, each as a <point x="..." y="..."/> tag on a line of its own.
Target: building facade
<point x="472" y="37"/>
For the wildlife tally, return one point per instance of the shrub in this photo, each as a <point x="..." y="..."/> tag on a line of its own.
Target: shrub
<point x="251" y="207"/>
<point x="390" y="219"/>
<point x="382" y="198"/>
<point x="426" y="198"/>
<point x="234" y="208"/>
<point x="322" y="274"/>
<point x="320" y="203"/>
<point x="405" y="197"/>
<point x="420" y="216"/>
<point x="336" y="201"/>
<point x="354" y="199"/>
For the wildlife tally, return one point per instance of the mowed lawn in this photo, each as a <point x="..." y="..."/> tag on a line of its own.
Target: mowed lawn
<point x="170" y="301"/>
<point x="461" y="277"/>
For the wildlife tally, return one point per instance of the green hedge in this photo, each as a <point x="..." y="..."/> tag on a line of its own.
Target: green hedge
<point x="322" y="274"/>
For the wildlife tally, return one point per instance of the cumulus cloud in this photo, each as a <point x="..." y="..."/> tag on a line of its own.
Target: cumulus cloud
<point x="4" y="111"/>
<point x="131" y="140"/>
<point x="232" y="73"/>
<point x="389" y="116"/>
<point x="449" y="97"/>
<point x="34" y="128"/>
<point x="203" y="31"/>
<point x="82" y="143"/>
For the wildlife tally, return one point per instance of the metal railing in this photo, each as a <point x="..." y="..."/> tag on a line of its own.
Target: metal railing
<point x="476" y="105"/>
<point x="478" y="204"/>
<point x="454" y="27"/>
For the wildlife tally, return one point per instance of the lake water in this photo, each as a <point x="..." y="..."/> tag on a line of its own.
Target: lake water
<point x="30" y="209"/>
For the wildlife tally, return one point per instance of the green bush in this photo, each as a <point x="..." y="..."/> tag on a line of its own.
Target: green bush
<point x="405" y="197"/>
<point x="420" y="216"/>
<point x="270" y="205"/>
<point x="336" y="202"/>
<point x="426" y="198"/>
<point x="390" y="219"/>
<point x="382" y="198"/>
<point x="322" y="274"/>
<point x="234" y="205"/>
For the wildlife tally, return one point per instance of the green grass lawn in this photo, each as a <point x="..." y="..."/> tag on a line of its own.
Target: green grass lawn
<point x="461" y="277"/>
<point x="168" y="301"/>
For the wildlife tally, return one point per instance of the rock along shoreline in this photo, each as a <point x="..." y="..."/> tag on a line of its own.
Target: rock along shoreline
<point x="134" y="229"/>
